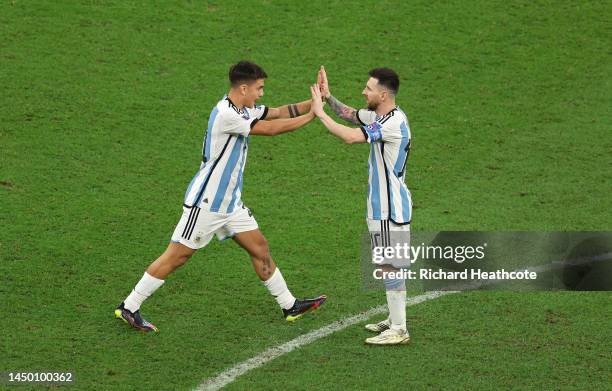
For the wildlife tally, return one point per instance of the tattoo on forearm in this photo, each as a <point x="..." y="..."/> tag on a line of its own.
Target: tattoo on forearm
<point x="343" y="111"/>
<point x="293" y="111"/>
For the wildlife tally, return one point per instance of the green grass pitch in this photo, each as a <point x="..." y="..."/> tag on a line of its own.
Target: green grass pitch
<point x="102" y="114"/>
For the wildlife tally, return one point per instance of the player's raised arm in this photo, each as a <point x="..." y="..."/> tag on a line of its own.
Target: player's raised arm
<point x="343" y="111"/>
<point x="278" y="126"/>
<point x="289" y="111"/>
<point x="346" y="134"/>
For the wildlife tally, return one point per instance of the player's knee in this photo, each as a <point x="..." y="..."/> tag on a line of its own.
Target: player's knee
<point x="181" y="259"/>
<point x="177" y="255"/>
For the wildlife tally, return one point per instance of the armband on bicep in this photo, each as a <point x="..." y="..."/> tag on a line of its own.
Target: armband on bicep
<point x="372" y="132"/>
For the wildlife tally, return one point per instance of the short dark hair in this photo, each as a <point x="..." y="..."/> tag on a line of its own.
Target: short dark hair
<point x="245" y="72"/>
<point x="387" y="78"/>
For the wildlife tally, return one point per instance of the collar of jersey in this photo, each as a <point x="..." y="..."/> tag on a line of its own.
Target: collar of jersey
<point x="233" y="105"/>
<point x="379" y="117"/>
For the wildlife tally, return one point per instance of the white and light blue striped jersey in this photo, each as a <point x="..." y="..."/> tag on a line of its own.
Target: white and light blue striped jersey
<point x="389" y="138"/>
<point x="217" y="186"/>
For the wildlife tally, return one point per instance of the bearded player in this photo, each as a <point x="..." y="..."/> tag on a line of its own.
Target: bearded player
<point x="389" y="207"/>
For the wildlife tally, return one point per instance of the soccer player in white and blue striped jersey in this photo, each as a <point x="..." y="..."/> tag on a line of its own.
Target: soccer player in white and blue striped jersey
<point x="389" y="207"/>
<point x="213" y="204"/>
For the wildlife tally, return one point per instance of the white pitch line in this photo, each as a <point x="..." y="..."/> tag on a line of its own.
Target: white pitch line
<point x="229" y="375"/>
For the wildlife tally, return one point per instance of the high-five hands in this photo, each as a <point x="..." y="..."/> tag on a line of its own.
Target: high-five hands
<point x="317" y="103"/>
<point x="322" y="82"/>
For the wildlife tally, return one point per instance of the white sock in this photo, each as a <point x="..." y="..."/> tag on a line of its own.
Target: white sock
<point x="278" y="288"/>
<point x="145" y="288"/>
<point x="396" y="300"/>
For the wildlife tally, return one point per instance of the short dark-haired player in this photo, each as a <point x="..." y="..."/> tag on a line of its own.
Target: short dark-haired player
<point x="213" y="205"/>
<point x="385" y="127"/>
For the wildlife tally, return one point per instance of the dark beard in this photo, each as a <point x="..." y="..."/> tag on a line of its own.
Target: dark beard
<point x="372" y="106"/>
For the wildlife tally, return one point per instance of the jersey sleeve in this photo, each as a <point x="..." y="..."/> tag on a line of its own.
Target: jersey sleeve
<point x="365" y="117"/>
<point x="236" y="124"/>
<point x="381" y="130"/>
<point x="260" y="111"/>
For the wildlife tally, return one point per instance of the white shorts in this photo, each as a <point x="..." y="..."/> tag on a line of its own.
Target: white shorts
<point x="196" y="227"/>
<point x="385" y="233"/>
